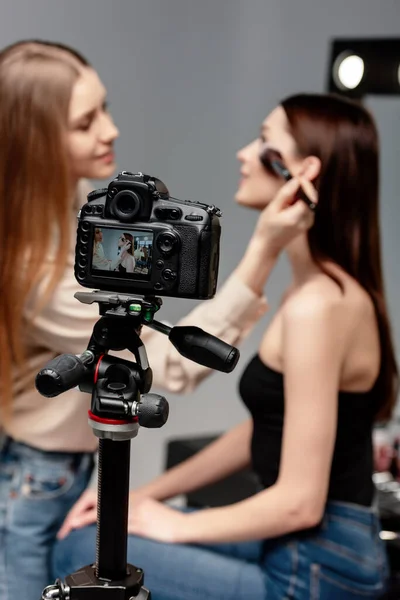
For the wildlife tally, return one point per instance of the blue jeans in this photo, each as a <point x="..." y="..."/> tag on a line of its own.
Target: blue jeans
<point x="36" y="491"/>
<point x="342" y="559"/>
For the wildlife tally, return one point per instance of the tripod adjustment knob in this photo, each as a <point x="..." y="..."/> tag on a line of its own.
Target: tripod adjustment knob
<point x="57" y="591"/>
<point x="152" y="410"/>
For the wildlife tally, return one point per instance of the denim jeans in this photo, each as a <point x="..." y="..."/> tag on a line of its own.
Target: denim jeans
<point x="36" y="491"/>
<point x="342" y="559"/>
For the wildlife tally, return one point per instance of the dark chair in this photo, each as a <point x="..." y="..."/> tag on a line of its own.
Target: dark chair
<point x="232" y="489"/>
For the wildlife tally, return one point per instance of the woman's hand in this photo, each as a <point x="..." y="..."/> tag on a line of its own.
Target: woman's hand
<point x="124" y="250"/>
<point x="84" y="512"/>
<point x="383" y="447"/>
<point x="152" y="519"/>
<point x="278" y="224"/>
<point x="285" y="218"/>
<point x="125" y="247"/>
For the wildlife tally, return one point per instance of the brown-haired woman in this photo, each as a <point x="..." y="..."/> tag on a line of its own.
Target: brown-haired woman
<point x="55" y="129"/>
<point x="324" y="372"/>
<point x="127" y="264"/>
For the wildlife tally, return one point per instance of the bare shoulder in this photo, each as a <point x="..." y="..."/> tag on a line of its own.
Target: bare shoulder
<point x="321" y="299"/>
<point x="319" y="295"/>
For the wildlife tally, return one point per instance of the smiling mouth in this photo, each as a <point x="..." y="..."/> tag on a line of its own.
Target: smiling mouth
<point x="109" y="154"/>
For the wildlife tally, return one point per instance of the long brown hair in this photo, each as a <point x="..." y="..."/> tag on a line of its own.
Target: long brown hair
<point x="342" y="134"/>
<point x="36" y="81"/>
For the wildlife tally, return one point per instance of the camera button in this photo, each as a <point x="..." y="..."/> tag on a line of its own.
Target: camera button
<point x="161" y="213"/>
<point x="158" y="286"/>
<point x="85" y="226"/>
<point x="168" y="275"/>
<point x="159" y="264"/>
<point x="81" y="274"/>
<point x="167" y="243"/>
<point x="83" y="261"/>
<point x="175" y="214"/>
<point x="194" y="217"/>
<point x="84" y="237"/>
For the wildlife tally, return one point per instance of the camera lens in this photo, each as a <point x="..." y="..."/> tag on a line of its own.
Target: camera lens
<point x="125" y="205"/>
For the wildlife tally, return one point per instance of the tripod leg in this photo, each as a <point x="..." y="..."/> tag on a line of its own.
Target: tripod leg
<point x="113" y="501"/>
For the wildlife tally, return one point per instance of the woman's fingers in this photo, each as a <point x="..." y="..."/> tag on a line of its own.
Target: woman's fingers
<point x="309" y="189"/>
<point x="299" y="215"/>
<point x="307" y="193"/>
<point x="286" y="195"/>
<point x="81" y="513"/>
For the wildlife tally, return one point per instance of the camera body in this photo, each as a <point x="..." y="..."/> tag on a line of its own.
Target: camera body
<point x="132" y="237"/>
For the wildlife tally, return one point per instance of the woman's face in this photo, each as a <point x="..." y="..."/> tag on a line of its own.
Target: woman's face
<point x="257" y="186"/>
<point x="122" y="240"/>
<point x="98" y="236"/>
<point x="91" y="131"/>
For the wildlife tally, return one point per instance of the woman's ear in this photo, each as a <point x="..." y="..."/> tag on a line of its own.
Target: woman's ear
<point x="310" y="168"/>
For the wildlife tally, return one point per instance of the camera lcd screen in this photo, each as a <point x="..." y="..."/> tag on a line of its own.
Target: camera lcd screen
<point x="121" y="253"/>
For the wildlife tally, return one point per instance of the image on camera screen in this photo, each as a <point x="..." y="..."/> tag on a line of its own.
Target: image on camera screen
<point x="121" y="253"/>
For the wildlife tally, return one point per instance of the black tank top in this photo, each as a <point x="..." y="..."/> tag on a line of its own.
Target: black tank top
<point x="261" y="389"/>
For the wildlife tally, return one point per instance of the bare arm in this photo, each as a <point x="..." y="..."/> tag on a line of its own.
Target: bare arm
<point x="227" y="455"/>
<point x="130" y="266"/>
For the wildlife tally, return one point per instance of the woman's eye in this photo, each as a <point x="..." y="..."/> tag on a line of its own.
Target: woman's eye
<point x="84" y="126"/>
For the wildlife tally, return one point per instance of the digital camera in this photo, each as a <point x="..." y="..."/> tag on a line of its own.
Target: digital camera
<point x="133" y="237"/>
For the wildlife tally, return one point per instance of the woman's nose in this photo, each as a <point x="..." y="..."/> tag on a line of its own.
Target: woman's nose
<point x="109" y="132"/>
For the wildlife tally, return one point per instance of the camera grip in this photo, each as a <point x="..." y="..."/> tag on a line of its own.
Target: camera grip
<point x="204" y="348"/>
<point x="60" y="374"/>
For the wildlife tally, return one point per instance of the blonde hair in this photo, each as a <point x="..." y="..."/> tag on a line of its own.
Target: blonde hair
<point x="36" y="81"/>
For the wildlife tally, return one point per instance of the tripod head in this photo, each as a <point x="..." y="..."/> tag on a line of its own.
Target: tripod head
<point x="123" y="316"/>
<point x="120" y="402"/>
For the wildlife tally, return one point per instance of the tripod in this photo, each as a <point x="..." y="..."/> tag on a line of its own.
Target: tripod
<point x="121" y="402"/>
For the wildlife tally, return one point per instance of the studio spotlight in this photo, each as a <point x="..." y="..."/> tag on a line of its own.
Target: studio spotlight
<point x="360" y="67"/>
<point x="348" y="71"/>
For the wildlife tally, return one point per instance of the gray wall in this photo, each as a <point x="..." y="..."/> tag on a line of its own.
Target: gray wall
<point x="189" y="83"/>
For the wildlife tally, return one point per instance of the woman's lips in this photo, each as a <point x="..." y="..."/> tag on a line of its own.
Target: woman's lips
<point x="107" y="158"/>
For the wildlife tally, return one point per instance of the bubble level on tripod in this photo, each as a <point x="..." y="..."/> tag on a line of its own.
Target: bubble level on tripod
<point x="148" y="316"/>
<point x="137" y="308"/>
